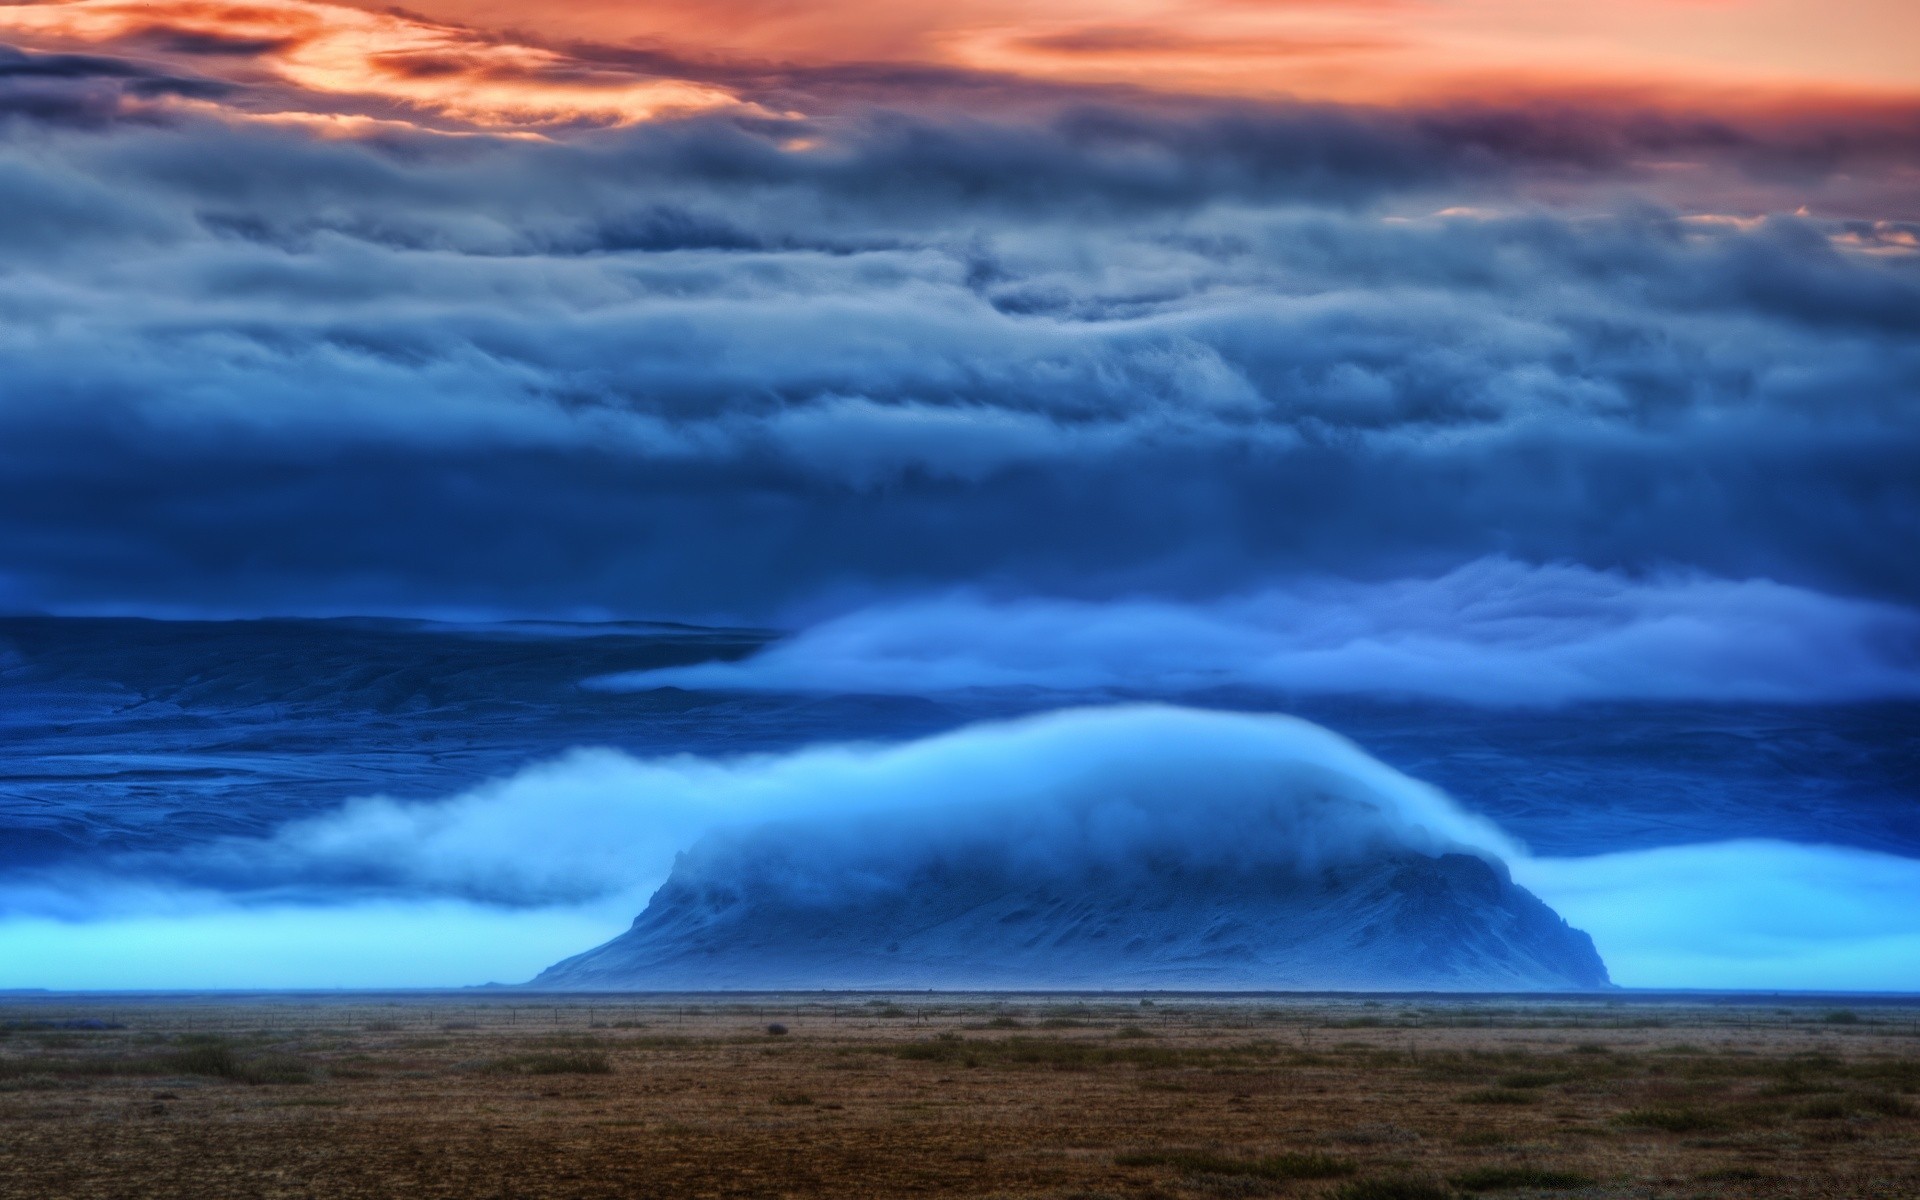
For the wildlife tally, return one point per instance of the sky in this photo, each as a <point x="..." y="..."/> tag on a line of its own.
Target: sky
<point x="322" y="309"/>
<point x="1500" y="352"/>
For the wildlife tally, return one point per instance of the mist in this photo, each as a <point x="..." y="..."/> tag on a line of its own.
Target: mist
<point x="1495" y="632"/>
<point x="560" y="856"/>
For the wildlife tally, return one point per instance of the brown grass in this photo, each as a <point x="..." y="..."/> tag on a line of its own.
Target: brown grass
<point x="1021" y="1098"/>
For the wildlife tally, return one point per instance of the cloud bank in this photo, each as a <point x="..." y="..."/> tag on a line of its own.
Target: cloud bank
<point x="1743" y="915"/>
<point x="562" y="855"/>
<point x="1096" y="782"/>
<point x="1495" y="632"/>
<point x="871" y="332"/>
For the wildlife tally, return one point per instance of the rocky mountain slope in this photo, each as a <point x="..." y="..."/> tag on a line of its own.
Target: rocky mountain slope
<point x="1403" y="920"/>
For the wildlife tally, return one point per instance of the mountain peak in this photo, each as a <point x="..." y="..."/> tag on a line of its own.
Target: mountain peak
<point x="1401" y="921"/>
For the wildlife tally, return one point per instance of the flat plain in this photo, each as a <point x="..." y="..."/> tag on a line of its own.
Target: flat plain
<point x="503" y="1094"/>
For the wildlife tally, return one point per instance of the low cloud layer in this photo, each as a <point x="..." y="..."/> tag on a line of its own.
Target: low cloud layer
<point x="533" y="868"/>
<point x="1079" y="785"/>
<point x="1743" y="915"/>
<point x="1496" y="632"/>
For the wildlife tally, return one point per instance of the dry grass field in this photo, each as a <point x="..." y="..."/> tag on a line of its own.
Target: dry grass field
<point x="512" y="1095"/>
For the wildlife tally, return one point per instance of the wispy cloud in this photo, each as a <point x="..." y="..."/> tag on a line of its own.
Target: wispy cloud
<point x="1497" y="632"/>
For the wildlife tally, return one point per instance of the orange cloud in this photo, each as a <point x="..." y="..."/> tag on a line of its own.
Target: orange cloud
<point x="1155" y="43"/>
<point x="470" y="63"/>
<point x="1366" y="50"/>
<point x="333" y="50"/>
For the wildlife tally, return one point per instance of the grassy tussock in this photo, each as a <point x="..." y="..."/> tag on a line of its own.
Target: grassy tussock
<point x="1495" y="1179"/>
<point x="591" y="1062"/>
<point x="209" y="1058"/>
<point x="1393" y="1187"/>
<point x="1272" y="1167"/>
<point x="1498" y="1096"/>
<point x="1672" y="1120"/>
<point x="1077" y="1054"/>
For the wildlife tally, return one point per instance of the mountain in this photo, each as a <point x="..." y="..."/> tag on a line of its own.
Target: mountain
<point x="1398" y="921"/>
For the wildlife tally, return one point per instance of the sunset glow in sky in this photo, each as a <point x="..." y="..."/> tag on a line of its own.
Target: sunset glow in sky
<point x="1351" y="48"/>
<point x="496" y="62"/>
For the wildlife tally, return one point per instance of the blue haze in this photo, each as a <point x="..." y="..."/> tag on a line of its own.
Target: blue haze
<point x="177" y="801"/>
<point x="1579" y="487"/>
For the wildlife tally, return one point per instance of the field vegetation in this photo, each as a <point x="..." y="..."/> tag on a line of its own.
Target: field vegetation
<point x="1015" y="1097"/>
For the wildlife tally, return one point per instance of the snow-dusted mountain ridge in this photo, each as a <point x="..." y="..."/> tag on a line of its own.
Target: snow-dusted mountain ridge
<point x="1129" y="848"/>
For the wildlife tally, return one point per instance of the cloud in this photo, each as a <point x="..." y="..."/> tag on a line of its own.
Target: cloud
<point x="335" y="50"/>
<point x="930" y="331"/>
<point x="219" y="946"/>
<point x="1773" y="47"/>
<point x="352" y="372"/>
<point x="1110" y="782"/>
<point x="1158" y="42"/>
<point x="88" y="90"/>
<point x="1496" y="632"/>
<point x="1743" y="915"/>
<point x="523" y="871"/>
<point x="560" y="855"/>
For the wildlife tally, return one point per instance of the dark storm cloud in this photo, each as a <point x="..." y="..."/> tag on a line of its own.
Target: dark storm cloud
<point x="734" y="365"/>
<point x="89" y="89"/>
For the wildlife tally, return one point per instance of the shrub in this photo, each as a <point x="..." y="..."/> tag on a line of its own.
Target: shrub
<point x="1377" y="1133"/>
<point x="1826" y="1108"/>
<point x="1271" y="1167"/>
<point x="588" y="1063"/>
<point x="220" y="1060"/>
<point x="1834" y="1108"/>
<point x="927" y="1051"/>
<point x="1393" y="1187"/>
<point x="776" y="1029"/>
<point x="1884" y="1104"/>
<point x="274" y="1068"/>
<point x="1497" y="1096"/>
<point x="1492" y="1179"/>
<point x="1671" y="1120"/>
<point x="207" y="1058"/>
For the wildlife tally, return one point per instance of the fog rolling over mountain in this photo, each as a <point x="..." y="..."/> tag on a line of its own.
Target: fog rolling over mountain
<point x="1304" y="865"/>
